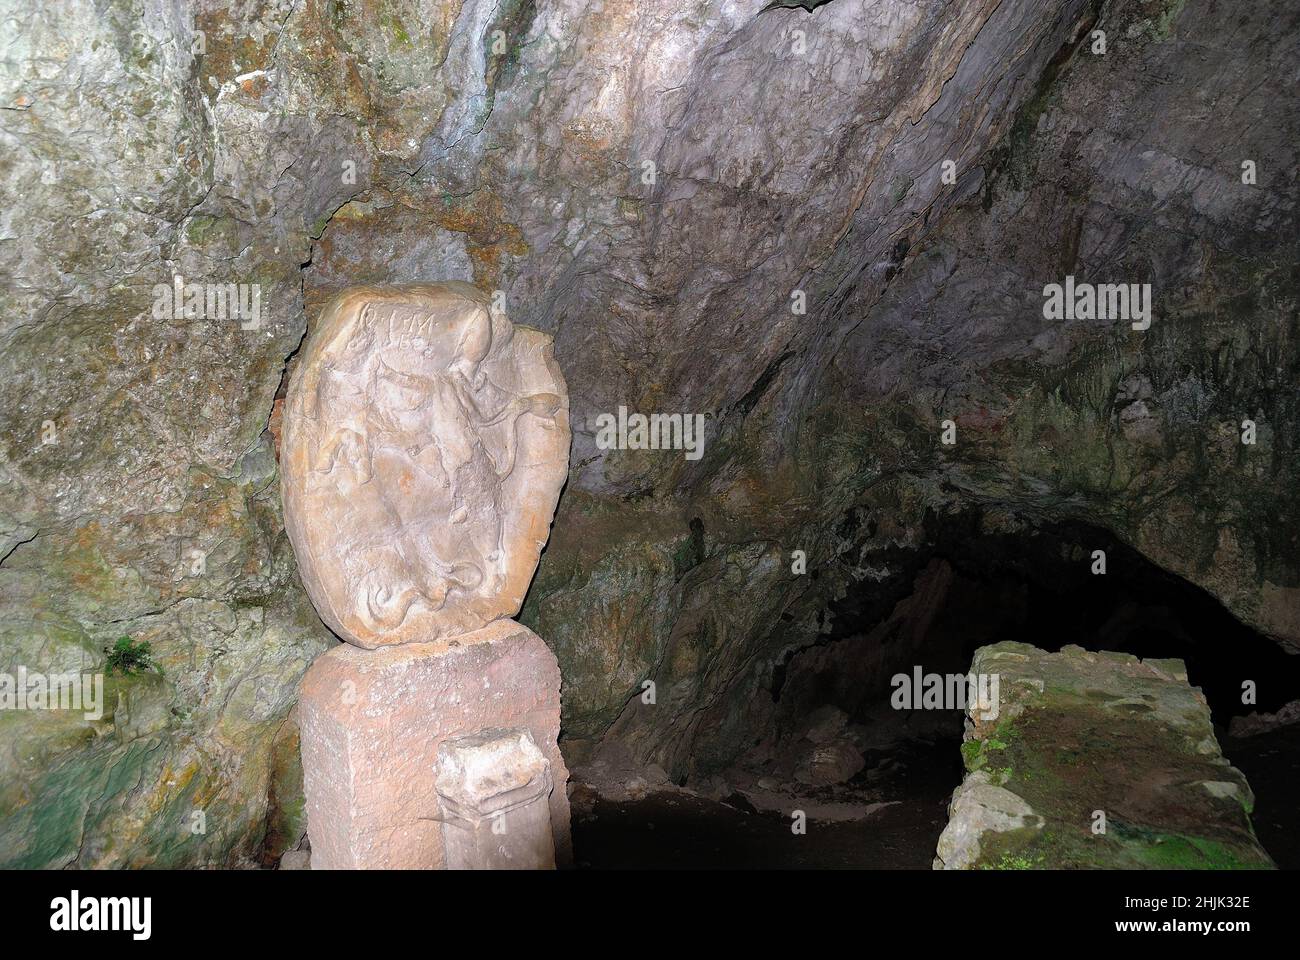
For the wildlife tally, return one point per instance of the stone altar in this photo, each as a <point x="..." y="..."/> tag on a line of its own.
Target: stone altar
<point x="426" y="440"/>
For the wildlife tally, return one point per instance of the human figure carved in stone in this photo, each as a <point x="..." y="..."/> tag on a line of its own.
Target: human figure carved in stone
<point x="425" y="443"/>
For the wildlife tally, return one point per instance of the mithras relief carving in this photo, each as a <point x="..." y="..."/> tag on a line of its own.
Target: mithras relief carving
<point x="425" y="442"/>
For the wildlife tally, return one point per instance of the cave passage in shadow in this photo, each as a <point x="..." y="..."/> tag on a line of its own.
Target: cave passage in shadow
<point x="970" y="588"/>
<point x="973" y="588"/>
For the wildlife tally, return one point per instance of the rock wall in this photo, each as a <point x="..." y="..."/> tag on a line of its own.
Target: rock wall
<point x="649" y="183"/>
<point x="1105" y="168"/>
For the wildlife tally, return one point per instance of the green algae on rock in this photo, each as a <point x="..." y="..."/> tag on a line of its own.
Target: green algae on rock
<point x="1095" y="761"/>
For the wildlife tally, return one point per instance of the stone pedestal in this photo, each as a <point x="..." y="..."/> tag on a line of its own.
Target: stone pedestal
<point x="494" y="788"/>
<point x="436" y="755"/>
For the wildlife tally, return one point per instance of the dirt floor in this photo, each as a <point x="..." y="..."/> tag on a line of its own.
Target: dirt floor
<point x="904" y="795"/>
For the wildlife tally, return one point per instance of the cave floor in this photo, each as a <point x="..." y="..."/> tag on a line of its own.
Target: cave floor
<point x="905" y="793"/>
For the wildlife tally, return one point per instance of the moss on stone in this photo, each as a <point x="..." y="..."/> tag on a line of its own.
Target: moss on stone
<point x="1075" y="752"/>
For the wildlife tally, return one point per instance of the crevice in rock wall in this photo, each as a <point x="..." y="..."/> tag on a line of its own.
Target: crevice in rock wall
<point x="1001" y="159"/>
<point x="513" y="21"/>
<point x="17" y="542"/>
<point x="806" y="5"/>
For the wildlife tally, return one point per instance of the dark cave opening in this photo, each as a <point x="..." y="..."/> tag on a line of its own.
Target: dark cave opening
<point x="1038" y="587"/>
<point x="837" y="741"/>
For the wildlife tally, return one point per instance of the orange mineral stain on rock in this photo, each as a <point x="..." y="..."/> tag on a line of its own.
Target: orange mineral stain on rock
<point x="275" y="425"/>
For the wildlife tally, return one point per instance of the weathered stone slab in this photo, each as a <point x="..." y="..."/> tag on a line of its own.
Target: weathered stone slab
<point x="1095" y="760"/>
<point x="385" y="731"/>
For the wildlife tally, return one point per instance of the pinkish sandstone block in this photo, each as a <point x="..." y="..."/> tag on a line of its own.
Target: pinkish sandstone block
<point x="386" y="733"/>
<point x="494" y="789"/>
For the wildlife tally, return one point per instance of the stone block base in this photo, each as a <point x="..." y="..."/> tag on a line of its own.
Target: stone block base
<point x="436" y="755"/>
